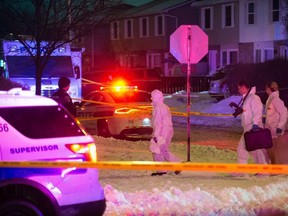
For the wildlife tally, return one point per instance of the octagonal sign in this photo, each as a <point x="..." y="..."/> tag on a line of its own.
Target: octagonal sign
<point x="189" y="44"/>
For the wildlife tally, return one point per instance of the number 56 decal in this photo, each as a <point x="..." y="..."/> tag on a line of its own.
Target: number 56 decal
<point x="4" y="128"/>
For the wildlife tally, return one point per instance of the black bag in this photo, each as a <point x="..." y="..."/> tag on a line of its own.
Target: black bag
<point x="258" y="139"/>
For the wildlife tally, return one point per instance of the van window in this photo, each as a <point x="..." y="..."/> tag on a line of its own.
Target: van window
<point x="24" y="66"/>
<point x="42" y="121"/>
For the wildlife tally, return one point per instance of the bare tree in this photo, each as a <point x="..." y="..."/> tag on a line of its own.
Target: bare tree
<point x="56" y="22"/>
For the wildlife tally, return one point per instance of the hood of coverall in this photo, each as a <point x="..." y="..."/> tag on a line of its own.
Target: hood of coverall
<point x="252" y="91"/>
<point x="157" y="97"/>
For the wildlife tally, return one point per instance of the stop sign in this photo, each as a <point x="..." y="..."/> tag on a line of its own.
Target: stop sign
<point x="188" y="43"/>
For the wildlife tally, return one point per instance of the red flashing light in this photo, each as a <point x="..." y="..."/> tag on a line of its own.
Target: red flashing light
<point x="119" y="83"/>
<point x="119" y="86"/>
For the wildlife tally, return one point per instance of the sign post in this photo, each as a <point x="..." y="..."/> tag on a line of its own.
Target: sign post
<point x="188" y="44"/>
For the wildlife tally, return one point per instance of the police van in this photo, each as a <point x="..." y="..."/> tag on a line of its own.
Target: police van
<point x="36" y="128"/>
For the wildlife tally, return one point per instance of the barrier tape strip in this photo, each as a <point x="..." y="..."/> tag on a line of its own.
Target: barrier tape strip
<point x="150" y="165"/>
<point x="148" y="110"/>
<point x="141" y="107"/>
<point x="92" y="82"/>
<point x="198" y="114"/>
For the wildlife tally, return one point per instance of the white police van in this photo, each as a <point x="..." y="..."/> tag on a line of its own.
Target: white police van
<point x="36" y="128"/>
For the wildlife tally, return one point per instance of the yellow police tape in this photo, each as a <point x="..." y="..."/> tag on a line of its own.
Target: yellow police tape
<point x="86" y="81"/>
<point x="141" y="107"/>
<point x="198" y="114"/>
<point x="150" y="165"/>
<point x="148" y="109"/>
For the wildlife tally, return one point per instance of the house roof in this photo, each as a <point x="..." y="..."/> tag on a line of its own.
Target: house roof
<point x="211" y="2"/>
<point x="155" y="7"/>
<point x="136" y="2"/>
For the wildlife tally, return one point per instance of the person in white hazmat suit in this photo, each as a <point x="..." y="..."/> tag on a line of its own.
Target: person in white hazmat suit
<point x="162" y="132"/>
<point x="276" y="119"/>
<point x="251" y="118"/>
<point x="276" y="112"/>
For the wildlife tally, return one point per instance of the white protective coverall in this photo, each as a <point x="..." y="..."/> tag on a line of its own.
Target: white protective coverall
<point x="276" y="114"/>
<point x="162" y="127"/>
<point x="252" y="115"/>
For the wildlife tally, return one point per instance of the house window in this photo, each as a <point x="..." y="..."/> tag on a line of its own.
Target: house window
<point x="257" y="56"/>
<point x="115" y="30"/>
<point x="128" y="29"/>
<point x="153" y="60"/>
<point x="144" y="27"/>
<point x="251" y="10"/>
<point x="284" y="52"/>
<point x="228" y="16"/>
<point x="268" y="54"/>
<point x="224" y="58"/>
<point x="275" y="11"/>
<point x="233" y="57"/>
<point x="159" y="25"/>
<point x="207" y="18"/>
<point x="229" y="57"/>
<point x="262" y="55"/>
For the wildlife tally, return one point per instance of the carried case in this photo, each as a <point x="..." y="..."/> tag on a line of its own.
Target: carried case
<point x="258" y="139"/>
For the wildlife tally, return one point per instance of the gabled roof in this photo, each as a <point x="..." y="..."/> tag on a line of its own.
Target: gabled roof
<point x="155" y="7"/>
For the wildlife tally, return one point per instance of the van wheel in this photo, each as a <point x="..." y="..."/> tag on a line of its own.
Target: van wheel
<point x="19" y="208"/>
<point x="102" y="128"/>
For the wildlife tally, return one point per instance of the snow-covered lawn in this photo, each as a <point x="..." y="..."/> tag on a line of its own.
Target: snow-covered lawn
<point x="131" y="192"/>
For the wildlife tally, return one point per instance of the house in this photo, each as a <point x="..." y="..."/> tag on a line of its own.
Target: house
<point x="263" y="34"/>
<point x="98" y="55"/>
<point x="220" y="21"/>
<point x="242" y="31"/>
<point x="239" y="31"/>
<point x="141" y="38"/>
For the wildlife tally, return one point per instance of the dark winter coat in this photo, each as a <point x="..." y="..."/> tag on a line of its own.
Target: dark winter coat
<point x="62" y="97"/>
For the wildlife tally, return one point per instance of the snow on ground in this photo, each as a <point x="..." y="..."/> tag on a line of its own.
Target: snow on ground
<point x="136" y="193"/>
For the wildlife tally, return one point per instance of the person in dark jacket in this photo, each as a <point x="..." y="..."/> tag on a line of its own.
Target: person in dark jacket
<point x="62" y="96"/>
